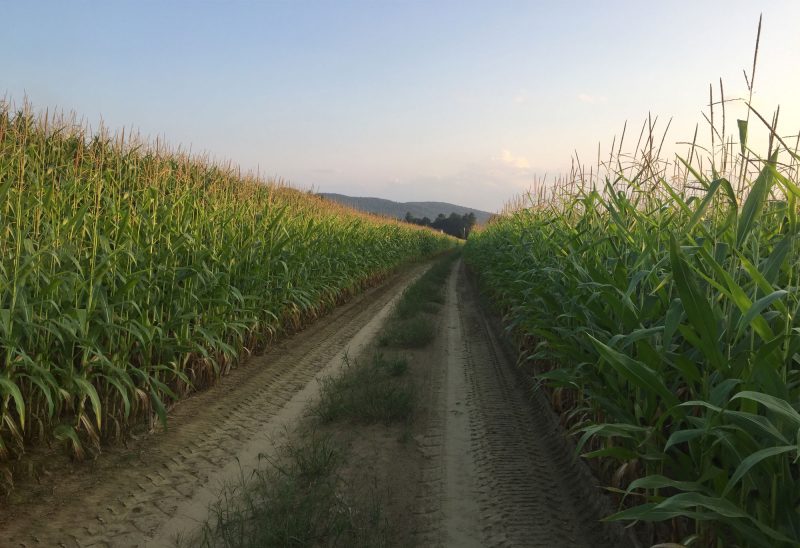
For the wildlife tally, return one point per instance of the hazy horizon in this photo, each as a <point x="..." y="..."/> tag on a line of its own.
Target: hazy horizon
<point x="465" y="103"/>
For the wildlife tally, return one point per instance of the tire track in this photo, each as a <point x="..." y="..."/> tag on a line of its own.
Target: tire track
<point x="507" y="476"/>
<point x="144" y="496"/>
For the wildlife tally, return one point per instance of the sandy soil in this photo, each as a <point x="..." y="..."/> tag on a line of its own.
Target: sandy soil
<point x="162" y="485"/>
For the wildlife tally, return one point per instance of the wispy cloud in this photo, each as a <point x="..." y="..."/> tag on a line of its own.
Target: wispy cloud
<point x="591" y="99"/>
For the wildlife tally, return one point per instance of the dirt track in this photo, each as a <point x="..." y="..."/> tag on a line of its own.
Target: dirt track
<point x="492" y="468"/>
<point x="499" y="471"/>
<point x="162" y="486"/>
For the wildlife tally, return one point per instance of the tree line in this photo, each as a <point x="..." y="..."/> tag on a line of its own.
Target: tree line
<point x="455" y="225"/>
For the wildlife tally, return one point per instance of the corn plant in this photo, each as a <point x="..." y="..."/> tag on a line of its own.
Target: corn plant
<point x="661" y="313"/>
<point x="130" y="275"/>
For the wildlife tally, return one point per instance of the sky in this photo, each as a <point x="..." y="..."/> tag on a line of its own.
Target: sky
<point x="464" y="102"/>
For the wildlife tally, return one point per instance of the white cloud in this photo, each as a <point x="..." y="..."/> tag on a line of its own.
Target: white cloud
<point x="517" y="161"/>
<point x="591" y="99"/>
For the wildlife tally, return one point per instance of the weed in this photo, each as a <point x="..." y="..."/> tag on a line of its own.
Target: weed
<point x="371" y="391"/>
<point x="297" y="499"/>
<point x="415" y="332"/>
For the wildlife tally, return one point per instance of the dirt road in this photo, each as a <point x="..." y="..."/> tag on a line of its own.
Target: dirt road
<point x="499" y="472"/>
<point x="161" y="486"/>
<point x="492" y="468"/>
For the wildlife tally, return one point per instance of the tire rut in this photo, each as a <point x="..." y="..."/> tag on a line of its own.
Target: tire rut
<point x="126" y="498"/>
<point x="502" y="469"/>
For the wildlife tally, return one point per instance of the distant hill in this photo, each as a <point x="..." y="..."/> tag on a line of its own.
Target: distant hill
<point x="399" y="209"/>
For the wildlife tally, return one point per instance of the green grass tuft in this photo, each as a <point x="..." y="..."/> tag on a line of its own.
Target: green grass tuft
<point x="416" y="332"/>
<point x="368" y="392"/>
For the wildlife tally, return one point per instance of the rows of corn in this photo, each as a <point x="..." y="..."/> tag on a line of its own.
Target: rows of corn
<point x="130" y="276"/>
<point x="659" y="306"/>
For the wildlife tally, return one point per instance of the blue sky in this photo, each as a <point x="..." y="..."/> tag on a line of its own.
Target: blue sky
<point x="464" y="102"/>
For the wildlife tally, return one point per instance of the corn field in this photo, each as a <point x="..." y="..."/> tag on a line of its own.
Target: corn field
<point x="130" y="275"/>
<point x="657" y="301"/>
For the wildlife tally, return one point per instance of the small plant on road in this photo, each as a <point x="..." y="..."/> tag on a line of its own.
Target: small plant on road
<point x="369" y="391"/>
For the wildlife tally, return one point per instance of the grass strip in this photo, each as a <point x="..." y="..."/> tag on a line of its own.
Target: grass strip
<point x="368" y="392"/>
<point x="410" y="325"/>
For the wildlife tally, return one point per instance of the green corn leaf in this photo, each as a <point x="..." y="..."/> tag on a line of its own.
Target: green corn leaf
<point x="776" y="260"/>
<point x="610" y="430"/>
<point x="618" y="453"/>
<point x="9" y="388"/>
<point x="760" y="280"/>
<point x="123" y="393"/>
<point x="696" y="306"/>
<point x="672" y="320"/>
<point x="159" y="408"/>
<point x="45" y="390"/>
<point x="636" y="373"/>
<point x="64" y="432"/>
<point x="777" y="405"/>
<point x="753" y="460"/>
<point x="86" y="388"/>
<point x="757" y="423"/>
<point x="758" y="307"/>
<point x="717" y="506"/>
<point x="742" y="125"/>
<point x="650" y="512"/>
<point x="733" y="291"/>
<point x="754" y="204"/>
<point x="659" y="482"/>
<point x="720" y="394"/>
<point x="688" y="505"/>
<point x="682" y="436"/>
<point x="697" y="175"/>
<point x="703" y="207"/>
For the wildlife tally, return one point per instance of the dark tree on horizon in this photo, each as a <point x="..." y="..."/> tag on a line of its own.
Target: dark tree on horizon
<point x="456" y="225"/>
